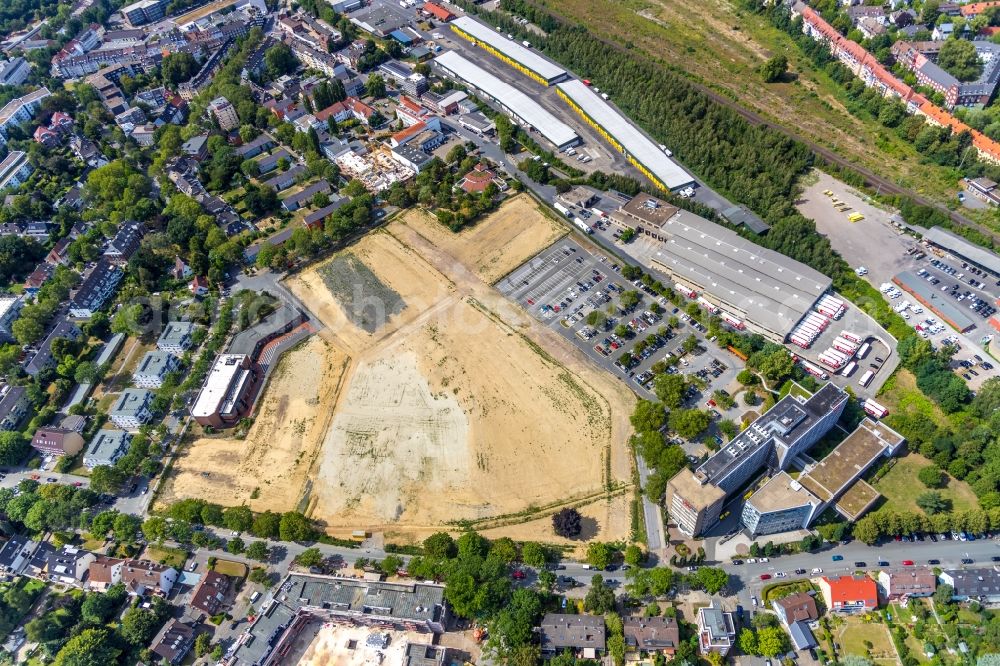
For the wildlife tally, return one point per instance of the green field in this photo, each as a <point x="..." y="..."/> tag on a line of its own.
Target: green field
<point x="854" y="632"/>
<point x="230" y="568"/>
<point x="174" y="557"/>
<point x="901" y="487"/>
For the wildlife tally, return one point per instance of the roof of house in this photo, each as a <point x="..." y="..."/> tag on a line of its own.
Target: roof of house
<point x="911" y="581"/>
<point x="975" y="582"/>
<point x="101" y="570"/>
<point x="51" y="437"/>
<point x="852" y="589"/>
<point x="798" y="606"/>
<point x="208" y="595"/>
<point x="651" y="633"/>
<point x="131" y="402"/>
<point x="173" y="641"/>
<point x="106" y="443"/>
<point x="136" y="573"/>
<point x="574" y="631"/>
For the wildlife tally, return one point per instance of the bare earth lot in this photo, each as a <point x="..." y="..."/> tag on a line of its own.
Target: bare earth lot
<point x="495" y="247"/>
<point x="460" y="407"/>
<point x="290" y="422"/>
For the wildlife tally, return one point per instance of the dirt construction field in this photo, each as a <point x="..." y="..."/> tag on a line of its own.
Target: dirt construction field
<point x="290" y="423"/>
<point x="458" y="407"/>
<point x="496" y="246"/>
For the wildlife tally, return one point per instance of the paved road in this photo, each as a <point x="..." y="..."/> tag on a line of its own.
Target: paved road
<point x="747" y="581"/>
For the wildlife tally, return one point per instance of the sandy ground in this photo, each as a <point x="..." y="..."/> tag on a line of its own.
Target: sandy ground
<point x="330" y="646"/>
<point x="498" y="244"/>
<point x="460" y="407"/>
<point x="290" y="422"/>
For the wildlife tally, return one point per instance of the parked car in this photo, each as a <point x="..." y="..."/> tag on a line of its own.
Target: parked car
<point x="907" y="563"/>
<point x="765" y="576"/>
<point x="837" y="558"/>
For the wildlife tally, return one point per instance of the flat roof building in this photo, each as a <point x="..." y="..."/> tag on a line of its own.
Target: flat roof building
<point x="641" y="151"/>
<point x="766" y="290"/>
<point x="780" y="505"/>
<point x="153" y="369"/>
<point x="228" y="392"/>
<point x="833" y="478"/>
<point x="716" y="630"/>
<point x="15" y="169"/>
<point x="774" y="439"/>
<point x="302" y="597"/>
<point x="935" y="301"/>
<point x="106" y="448"/>
<point x="132" y="409"/>
<point x="518" y="56"/>
<point x="519" y="105"/>
<point x="952" y="242"/>
<point x="176" y="337"/>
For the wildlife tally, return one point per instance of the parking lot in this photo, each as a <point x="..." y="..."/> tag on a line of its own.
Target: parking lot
<point x="563" y="284"/>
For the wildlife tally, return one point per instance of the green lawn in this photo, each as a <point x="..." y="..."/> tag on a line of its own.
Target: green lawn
<point x="854" y="632"/>
<point x="901" y="487"/>
<point x="230" y="568"/>
<point x="174" y="557"/>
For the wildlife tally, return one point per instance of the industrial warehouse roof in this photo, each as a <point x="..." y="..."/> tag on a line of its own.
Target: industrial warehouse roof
<point x="530" y="59"/>
<point x="938" y="301"/>
<point x="525" y="108"/>
<point x="773" y="290"/>
<point x="966" y="249"/>
<point x="635" y="143"/>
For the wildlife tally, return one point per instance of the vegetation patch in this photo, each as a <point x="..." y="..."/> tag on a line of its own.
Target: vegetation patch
<point x="366" y="301"/>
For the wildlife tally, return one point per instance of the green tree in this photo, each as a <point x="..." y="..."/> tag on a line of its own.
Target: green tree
<point x="236" y="545"/>
<point x="13" y="447"/>
<point x="669" y="389"/>
<point x="567" y="522"/>
<point x="440" y="546"/>
<point x="648" y="416"/>
<point x="155" y="528"/>
<point x="711" y="579"/>
<point x="259" y="551"/>
<point x="774" y="69"/>
<point x="202" y="644"/>
<point x="931" y="476"/>
<point x="772" y="641"/>
<point x="689" y="423"/>
<point x="933" y="502"/>
<point x="600" y="598"/>
<point x="533" y="554"/>
<point x="91" y="647"/>
<point x="266" y="525"/>
<point x="943" y="594"/>
<point x="126" y="527"/>
<point x="634" y="555"/>
<point x="238" y="518"/>
<point x="958" y="57"/>
<point x="309" y="557"/>
<point x="391" y="565"/>
<point x="280" y="60"/>
<point x="295" y="527"/>
<point x="597" y="319"/>
<point x="748" y="641"/>
<point x="514" y="626"/>
<point x="139" y="625"/>
<point x="375" y="86"/>
<point x="178" y="68"/>
<point x="599" y="554"/>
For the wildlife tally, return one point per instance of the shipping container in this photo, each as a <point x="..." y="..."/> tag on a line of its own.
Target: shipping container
<point x="854" y="337"/>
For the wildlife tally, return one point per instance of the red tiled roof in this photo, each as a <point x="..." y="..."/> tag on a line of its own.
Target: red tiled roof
<point x="410" y="132"/>
<point x="850" y="589"/>
<point x="977" y="8"/>
<point x="438" y="12"/>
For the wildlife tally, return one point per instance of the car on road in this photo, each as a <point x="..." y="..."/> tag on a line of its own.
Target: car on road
<point x="860" y="565"/>
<point x="907" y="563"/>
<point x="765" y="576"/>
<point x="737" y="562"/>
<point x="933" y="562"/>
<point x="780" y="574"/>
<point x="754" y="600"/>
<point x="817" y="570"/>
<point x="800" y="572"/>
<point x="51" y="479"/>
<point x="996" y="558"/>
<point x="883" y="563"/>
<point x="837" y="558"/>
<point x="967" y="560"/>
<point x="763" y="559"/>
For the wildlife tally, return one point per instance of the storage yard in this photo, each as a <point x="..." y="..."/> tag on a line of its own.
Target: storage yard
<point x="524" y="109"/>
<point x="458" y="407"/>
<point x="645" y="155"/>
<point x="516" y="55"/>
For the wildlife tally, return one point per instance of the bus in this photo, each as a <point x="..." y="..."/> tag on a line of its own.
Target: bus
<point x="867" y="378"/>
<point x="872" y="408"/>
<point x="849" y="368"/>
<point x="864" y="350"/>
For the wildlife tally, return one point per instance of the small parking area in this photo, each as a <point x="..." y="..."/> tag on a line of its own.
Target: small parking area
<point x="565" y="283"/>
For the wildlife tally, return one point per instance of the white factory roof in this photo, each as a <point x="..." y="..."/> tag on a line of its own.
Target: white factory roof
<point x="635" y="143"/>
<point x="525" y="108"/>
<point x="513" y="50"/>
<point x="223" y="382"/>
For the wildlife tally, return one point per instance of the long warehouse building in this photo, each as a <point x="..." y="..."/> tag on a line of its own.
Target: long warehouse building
<point x="765" y="290"/>
<point x="518" y="56"/>
<point x="525" y="110"/>
<point x="619" y="131"/>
